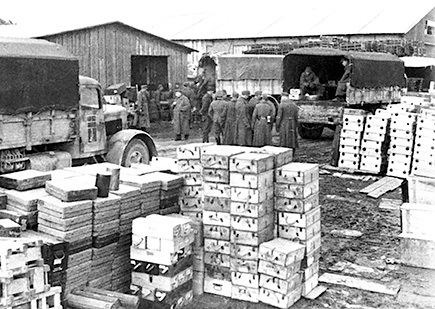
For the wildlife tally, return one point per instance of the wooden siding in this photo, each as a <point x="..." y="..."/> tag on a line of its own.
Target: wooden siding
<point x="105" y="52"/>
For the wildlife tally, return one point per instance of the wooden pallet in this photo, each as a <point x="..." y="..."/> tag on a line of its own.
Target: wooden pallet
<point x="382" y="186"/>
<point x="46" y="300"/>
<point x="17" y="253"/>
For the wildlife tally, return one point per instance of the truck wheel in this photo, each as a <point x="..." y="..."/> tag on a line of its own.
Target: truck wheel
<point x="135" y="152"/>
<point x="310" y="131"/>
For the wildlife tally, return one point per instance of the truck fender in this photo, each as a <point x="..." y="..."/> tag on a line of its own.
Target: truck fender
<point x="119" y="141"/>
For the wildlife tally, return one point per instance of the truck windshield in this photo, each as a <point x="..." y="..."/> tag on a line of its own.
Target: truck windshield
<point x="89" y="97"/>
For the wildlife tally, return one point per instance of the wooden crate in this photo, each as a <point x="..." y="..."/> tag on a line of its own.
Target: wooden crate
<point x="421" y="189"/>
<point x="417" y="251"/>
<point x="24" y="180"/>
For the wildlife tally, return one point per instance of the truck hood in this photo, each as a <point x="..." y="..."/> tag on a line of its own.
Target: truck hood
<point x="115" y="112"/>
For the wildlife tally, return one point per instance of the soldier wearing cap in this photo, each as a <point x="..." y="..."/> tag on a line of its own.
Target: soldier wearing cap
<point x="218" y="113"/>
<point x="230" y="122"/>
<point x="141" y="117"/>
<point x="287" y="123"/>
<point x="182" y="112"/>
<point x="242" y="128"/>
<point x="340" y="93"/>
<point x="261" y="119"/>
<point x="206" y="119"/>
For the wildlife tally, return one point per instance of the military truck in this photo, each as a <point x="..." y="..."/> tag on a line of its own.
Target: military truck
<point x="48" y="111"/>
<point x="376" y="80"/>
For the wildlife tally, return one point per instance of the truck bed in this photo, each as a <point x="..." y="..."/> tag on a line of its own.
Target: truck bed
<point x="319" y="111"/>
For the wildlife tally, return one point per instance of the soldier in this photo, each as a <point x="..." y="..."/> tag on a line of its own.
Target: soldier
<point x="206" y="119"/>
<point x="340" y="94"/>
<point x="253" y="102"/>
<point x="287" y="123"/>
<point x="141" y="117"/>
<point x="181" y="115"/>
<point x="261" y="119"/>
<point x="230" y="122"/>
<point x="218" y="113"/>
<point x="242" y="128"/>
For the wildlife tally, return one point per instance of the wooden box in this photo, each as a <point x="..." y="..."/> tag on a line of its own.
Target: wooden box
<point x="372" y="136"/>
<point x="217" y="190"/>
<point x="217" y="259"/>
<point x="214" y="203"/>
<point x="190" y="203"/>
<point x="245" y="279"/>
<point x="159" y="257"/>
<point x="216" y="218"/>
<point x="312" y="244"/>
<point x="283" y="301"/>
<point x="64" y="210"/>
<point x="418" y="219"/>
<point x="252" y="163"/>
<point x="252" y="238"/>
<point x="281" y="251"/>
<point x="279" y="285"/>
<point x="191" y="151"/>
<point x="218" y="156"/>
<point x="349" y="156"/>
<point x="350" y="133"/>
<point x="244" y="252"/>
<point x="217" y="286"/>
<point x="299" y="233"/>
<point x="353" y="126"/>
<point x="216" y="245"/>
<point x="278" y="271"/>
<point x="349" y="149"/>
<point x="296" y="205"/>
<point x="308" y="272"/>
<point x="421" y="190"/>
<point x="366" y="143"/>
<point x="217" y="232"/>
<point x="253" y="196"/>
<point x="253" y="181"/>
<point x="245" y="293"/>
<point x="244" y="266"/>
<point x="250" y="224"/>
<point x="192" y="191"/>
<point x="417" y="251"/>
<point x="350" y="164"/>
<point x="353" y="118"/>
<point x="192" y="179"/>
<point x="218" y="272"/>
<point x="296" y="190"/>
<point x="71" y="190"/>
<point x="216" y="175"/>
<point x="283" y="155"/>
<point x="401" y="141"/>
<point x="309" y="284"/>
<point x="350" y="141"/>
<point x="297" y="173"/>
<point x="24" y="180"/>
<point x="162" y="283"/>
<point x="250" y="209"/>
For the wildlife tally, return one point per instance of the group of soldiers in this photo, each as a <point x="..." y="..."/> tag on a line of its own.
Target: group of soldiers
<point x="238" y="120"/>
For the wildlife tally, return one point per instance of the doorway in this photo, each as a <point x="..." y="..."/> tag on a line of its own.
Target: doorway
<point x="149" y="70"/>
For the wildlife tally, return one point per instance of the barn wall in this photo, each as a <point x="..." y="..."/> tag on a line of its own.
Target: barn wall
<point x="105" y="51"/>
<point x="418" y="33"/>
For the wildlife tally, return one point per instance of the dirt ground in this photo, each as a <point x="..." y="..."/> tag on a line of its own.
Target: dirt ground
<point x="374" y="256"/>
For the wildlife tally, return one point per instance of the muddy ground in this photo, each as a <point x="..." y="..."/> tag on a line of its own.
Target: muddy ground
<point x="374" y="256"/>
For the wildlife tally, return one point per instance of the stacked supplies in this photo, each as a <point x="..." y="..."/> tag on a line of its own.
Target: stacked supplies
<point x="423" y="162"/>
<point x="298" y="214"/>
<point x="280" y="277"/>
<point x="252" y="217"/>
<point x="171" y="187"/>
<point x="162" y="258"/>
<point x="215" y="161"/>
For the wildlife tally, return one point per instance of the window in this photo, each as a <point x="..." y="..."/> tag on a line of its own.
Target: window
<point x="92" y="129"/>
<point x="89" y="97"/>
<point x="430" y="28"/>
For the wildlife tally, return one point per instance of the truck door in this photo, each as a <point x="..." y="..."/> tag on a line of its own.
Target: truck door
<point x="92" y="127"/>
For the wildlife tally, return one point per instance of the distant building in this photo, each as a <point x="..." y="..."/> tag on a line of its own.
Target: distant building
<point x="116" y="53"/>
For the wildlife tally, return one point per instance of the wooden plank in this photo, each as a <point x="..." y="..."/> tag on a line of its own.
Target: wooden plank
<point x="316" y="292"/>
<point x="393" y="204"/>
<point x="375" y="185"/>
<point x="389" y="186"/>
<point x="359" y="283"/>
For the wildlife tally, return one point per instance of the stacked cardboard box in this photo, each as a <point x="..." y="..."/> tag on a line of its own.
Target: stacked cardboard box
<point x="350" y="138"/>
<point x="162" y="257"/>
<point x="24" y="277"/>
<point x="252" y="218"/>
<point x="417" y="241"/>
<point x="374" y="143"/>
<point x="423" y="163"/>
<point x="402" y="128"/>
<point x="215" y="161"/>
<point x="280" y="277"/>
<point x="191" y="199"/>
<point x="298" y="214"/>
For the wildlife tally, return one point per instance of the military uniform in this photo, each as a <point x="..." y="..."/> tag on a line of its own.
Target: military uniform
<point x="287" y="124"/>
<point x="261" y="124"/>
<point x="218" y="113"/>
<point x="230" y="123"/>
<point x="142" y="117"/>
<point x="206" y="119"/>
<point x="242" y="128"/>
<point x="181" y="117"/>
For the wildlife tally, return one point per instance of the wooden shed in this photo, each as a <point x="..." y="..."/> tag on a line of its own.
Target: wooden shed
<point x="116" y="53"/>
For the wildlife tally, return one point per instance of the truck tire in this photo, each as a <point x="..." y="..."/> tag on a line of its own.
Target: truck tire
<point x="135" y="152"/>
<point x="310" y="131"/>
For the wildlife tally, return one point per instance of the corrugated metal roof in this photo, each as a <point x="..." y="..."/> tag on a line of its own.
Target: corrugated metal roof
<point x="302" y="18"/>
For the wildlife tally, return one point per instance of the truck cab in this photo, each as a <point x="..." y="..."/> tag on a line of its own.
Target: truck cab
<point x="376" y="80"/>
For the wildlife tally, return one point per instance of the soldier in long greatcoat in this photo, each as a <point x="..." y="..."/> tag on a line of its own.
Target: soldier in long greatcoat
<point x="287" y="123"/>
<point x="230" y="122"/>
<point x="242" y="129"/>
<point x="261" y="119"/>
<point x="218" y="113"/>
<point x="141" y="116"/>
<point x="182" y="112"/>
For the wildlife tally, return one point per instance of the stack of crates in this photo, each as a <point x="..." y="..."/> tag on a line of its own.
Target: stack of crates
<point x="298" y="214"/>
<point x="215" y="162"/>
<point x="374" y="142"/>
<point x="423" y="163"/>
<point x="280" y="276"/>
<point x="402" y="129"/>
<point x="161" y="256"/>
<point x="252" y="219"/>
<point x="191" y="199"/>
<point x="350" y="138"/>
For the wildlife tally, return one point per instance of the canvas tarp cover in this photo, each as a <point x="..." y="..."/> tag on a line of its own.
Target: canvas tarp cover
<point x="243" y="68"/>
<point x="33" y="84"/>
